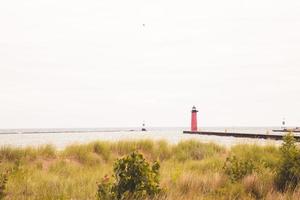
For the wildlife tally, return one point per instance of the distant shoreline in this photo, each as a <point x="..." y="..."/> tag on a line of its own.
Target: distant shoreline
<point x="77" y="131"/>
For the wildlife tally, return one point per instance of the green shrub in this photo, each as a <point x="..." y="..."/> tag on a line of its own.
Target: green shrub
<point x="105" y="189"/>
<point x="262" y="156"/>
<point x="236" y="168"/>
<point x="134" y="178"/>
<point x="288" y="172"/>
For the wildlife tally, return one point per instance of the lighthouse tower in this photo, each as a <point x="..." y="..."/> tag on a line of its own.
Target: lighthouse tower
<point x="194" y="119"/>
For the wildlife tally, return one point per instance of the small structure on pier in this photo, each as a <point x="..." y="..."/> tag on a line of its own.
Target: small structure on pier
<point x="283" y="124"/>
<point x="285" y="129"/>
<point x="144" y="127"/>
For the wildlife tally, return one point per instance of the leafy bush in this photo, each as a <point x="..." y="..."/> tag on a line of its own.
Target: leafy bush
<point x="288" y="172"/>
<point x="105" y="189"/>
<point x="262" y="156"/>
<point x="236" y="168"/>
<point x="134" y="178"/>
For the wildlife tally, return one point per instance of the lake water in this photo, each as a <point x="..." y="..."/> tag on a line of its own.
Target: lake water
<point x="63" y="137"/>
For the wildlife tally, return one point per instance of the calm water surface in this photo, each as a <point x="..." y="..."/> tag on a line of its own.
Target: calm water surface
<point x="63" y="137"/>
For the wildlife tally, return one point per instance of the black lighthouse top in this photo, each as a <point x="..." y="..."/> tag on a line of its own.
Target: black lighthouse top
<point x="194" y="109"/>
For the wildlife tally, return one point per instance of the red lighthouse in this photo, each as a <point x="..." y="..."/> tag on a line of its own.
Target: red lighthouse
<point x="194" y="119"/>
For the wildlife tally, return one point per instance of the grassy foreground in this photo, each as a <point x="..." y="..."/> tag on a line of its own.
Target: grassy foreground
<point x="189" y="170"/>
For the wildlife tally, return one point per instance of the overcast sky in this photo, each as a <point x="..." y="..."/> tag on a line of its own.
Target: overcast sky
<point x="115" y="63"/>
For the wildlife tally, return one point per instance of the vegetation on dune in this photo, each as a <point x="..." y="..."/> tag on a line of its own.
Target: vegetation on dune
<point x="187" y="170"/>
<point x="193" y="150"/>
<point x="237" y="169"/>
<point x="288" y="173"/>
<point x="3" y="180"/>
<point x="134" y="178"/>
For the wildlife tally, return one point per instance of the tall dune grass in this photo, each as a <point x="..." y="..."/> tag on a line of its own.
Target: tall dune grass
<point x="189" y="170"/>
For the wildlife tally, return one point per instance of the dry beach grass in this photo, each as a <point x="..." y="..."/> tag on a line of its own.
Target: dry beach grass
<point x="189" y="170"/>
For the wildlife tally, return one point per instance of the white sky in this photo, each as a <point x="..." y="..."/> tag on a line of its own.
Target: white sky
<point x="71" y="63"/>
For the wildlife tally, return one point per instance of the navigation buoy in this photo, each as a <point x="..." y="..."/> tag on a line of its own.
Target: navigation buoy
<point x="283" y="124"/>
<point x="144" y="127"/>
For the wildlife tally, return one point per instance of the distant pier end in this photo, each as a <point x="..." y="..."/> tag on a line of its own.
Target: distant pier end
<point x="242" y="135"/>
<point x="274" y="136"/>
